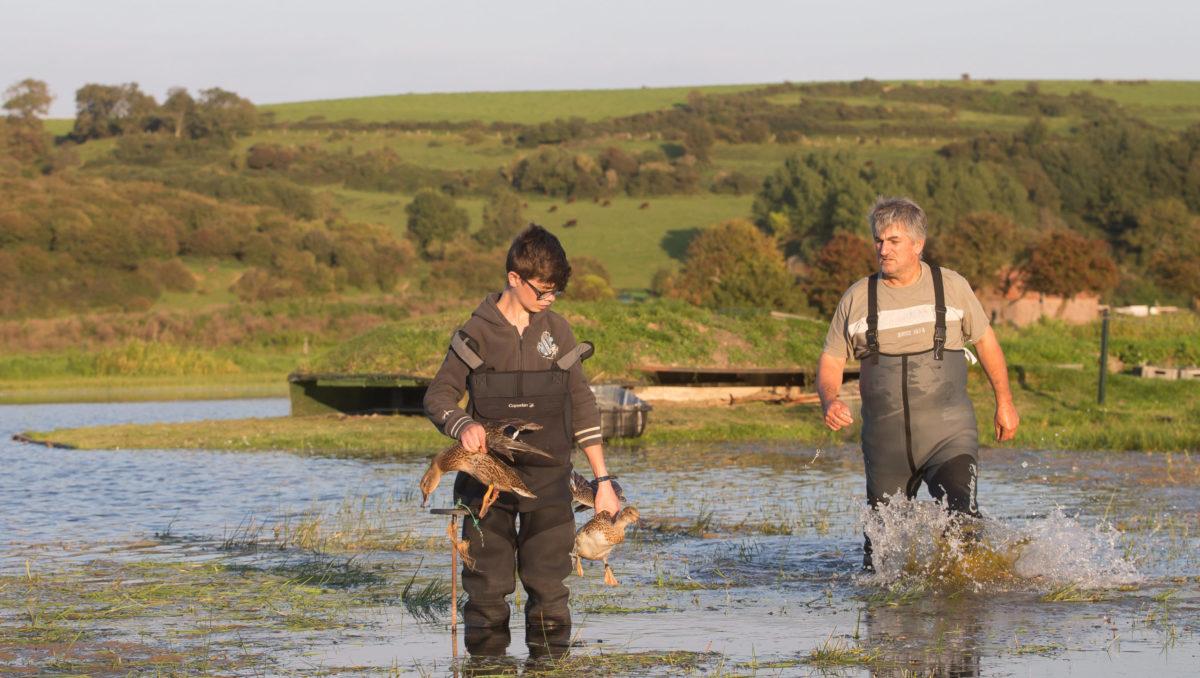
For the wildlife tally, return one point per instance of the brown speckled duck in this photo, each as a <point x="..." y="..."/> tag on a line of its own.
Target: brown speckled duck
<point x="483" y="466"/>
<point x="583" y="491"/>
<point x="596" y="539"/>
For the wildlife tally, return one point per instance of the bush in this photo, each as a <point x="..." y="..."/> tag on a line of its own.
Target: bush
<point x="503" y="218"/>
<point x="1066" y="263"/>
<point x="842" y="261"/>
<point x="591" y="287"/>
<point x="979" y="247"/>
<point x="733" y="264"/>
<point x="433" y="217"/>
<point x="466" y="271"/>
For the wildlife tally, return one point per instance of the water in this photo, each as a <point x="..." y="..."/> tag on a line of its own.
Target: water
<point x="746" y="551"/>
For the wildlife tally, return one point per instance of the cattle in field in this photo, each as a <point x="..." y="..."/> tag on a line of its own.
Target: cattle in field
<point x="644" y="206"/>
<point x="570" y="223"/>
<point x="553" y="208"/>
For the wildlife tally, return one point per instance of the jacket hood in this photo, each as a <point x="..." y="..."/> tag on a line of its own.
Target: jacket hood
<point x="489" y="312"/>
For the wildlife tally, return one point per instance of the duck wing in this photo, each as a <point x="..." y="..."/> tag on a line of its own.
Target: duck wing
<point x="502" y="442"/>
<point x="491" y="471"/>
<point x="583" y="491"/>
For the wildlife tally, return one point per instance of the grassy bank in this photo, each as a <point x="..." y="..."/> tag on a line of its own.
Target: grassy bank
<point x="141" y="389"/>
<point x="1057" y="408"/>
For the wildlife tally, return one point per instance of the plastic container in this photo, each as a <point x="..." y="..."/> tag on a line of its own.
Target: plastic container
<point x="622" y="414"/>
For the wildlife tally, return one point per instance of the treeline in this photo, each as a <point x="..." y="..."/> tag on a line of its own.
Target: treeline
<point x="70" y="243"/>
<point x="1114" y="194"/>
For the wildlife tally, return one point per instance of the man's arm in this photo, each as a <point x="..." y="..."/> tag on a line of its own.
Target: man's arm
<point x="992" y="357"/>
<point x="829" y="382"/>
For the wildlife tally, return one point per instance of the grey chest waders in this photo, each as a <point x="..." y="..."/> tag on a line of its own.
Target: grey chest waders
<point x="539" y="396"/>
<point x="916" y="414"/>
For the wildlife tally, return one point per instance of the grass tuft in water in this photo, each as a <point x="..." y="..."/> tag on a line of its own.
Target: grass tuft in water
<point x="428" y="602"/>
<point x="837" y="652"/>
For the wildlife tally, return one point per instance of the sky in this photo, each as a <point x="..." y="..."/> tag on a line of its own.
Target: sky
<point x="273" y="51"/>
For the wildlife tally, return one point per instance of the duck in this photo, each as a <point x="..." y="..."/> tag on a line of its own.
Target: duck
<point x="484" y="465"/>
<point x="583" y="492"/>
<point x="502" y="438"/>
<point x="598" y="536"/>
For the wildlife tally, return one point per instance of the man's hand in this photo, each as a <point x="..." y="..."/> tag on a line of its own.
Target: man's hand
<point x="473" y="438"/>
<point x="837" y="415"/>
<point x="1006" y="420"/>
<point x="606" y="499"/>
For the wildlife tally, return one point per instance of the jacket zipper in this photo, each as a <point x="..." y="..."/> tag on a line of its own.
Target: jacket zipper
<point x="520" y="362"/>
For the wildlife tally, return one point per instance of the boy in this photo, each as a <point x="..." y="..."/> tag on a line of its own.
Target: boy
<point x="520" y="360"/>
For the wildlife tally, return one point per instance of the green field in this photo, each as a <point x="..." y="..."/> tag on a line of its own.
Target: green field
<point x="520" y="107"/>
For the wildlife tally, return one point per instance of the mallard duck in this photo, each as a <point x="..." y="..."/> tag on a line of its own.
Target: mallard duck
<point x="596" y="539"/>
<point x="583" y="491"/>
<point x="483" y="466"/>
<point x="502" y="438"/>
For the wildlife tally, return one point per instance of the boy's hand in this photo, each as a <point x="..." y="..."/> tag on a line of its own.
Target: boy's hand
<point x="473" y="438"/>
<point x="606" y="499"/>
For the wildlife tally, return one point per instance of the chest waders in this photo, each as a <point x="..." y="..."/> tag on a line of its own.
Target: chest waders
<point x="918" y="423"/>
<point x="540" y="549"/>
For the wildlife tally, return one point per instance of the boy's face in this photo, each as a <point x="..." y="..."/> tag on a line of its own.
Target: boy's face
<point x="534" y="294"/>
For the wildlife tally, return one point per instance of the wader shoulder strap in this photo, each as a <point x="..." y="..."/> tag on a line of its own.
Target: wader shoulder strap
<point x="582" y="351"/>
<point x="466" y="349"/>
<point x="939" y="309"/>
<point x="873" y="316"/>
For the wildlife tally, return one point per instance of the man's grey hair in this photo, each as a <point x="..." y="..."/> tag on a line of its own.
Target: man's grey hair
<point x="898" y="211"/>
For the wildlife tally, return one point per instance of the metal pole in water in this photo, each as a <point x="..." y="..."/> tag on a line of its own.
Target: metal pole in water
<point x="1103" y="358"/>
<point x="454" y="588"/>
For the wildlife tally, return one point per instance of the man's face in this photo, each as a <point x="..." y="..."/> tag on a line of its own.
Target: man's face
<point x="899" y="255"/>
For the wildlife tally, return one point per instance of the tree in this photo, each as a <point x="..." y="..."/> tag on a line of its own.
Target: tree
<point x="28" y="100"/>
<point x="698" y="137"/>
<point x="1166" y="243"/>
<point x="221" y="114"/>
<point x="843" y="260"/>
<point x="503" y="217"/>
<point x="1066" y="263"/>
<point x="111" y="110"/>
<point x="177" y="109"/>
<point x="807" y="200"/>
<point x="434" y="217"/>
<point x="733" y="264"/>
<point x="979" y="246"/>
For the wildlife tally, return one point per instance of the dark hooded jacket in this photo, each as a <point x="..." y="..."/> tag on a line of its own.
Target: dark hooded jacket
<point x="547" y="338"/>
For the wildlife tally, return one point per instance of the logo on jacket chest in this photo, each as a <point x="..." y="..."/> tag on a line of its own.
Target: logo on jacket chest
<point x="546" y="346"/>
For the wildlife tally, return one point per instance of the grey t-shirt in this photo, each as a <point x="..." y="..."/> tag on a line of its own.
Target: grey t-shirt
<point x="906" y="317"/>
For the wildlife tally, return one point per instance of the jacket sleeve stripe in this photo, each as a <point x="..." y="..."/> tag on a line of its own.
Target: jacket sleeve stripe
<point x="453" y="430"/>
<point x="594" y="435"/>
<point x="586" y="430"/>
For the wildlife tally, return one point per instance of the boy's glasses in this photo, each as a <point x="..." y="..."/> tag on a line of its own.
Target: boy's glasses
<point x="542" y="296"/>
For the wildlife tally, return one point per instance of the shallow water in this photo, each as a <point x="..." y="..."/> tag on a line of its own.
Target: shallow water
<point x="746" y="551"/>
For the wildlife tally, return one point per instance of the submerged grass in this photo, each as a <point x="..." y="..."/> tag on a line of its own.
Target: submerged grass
<point x="196" y="616"/>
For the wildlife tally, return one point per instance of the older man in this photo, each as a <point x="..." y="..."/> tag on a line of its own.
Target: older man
<point x="908" y="325"/>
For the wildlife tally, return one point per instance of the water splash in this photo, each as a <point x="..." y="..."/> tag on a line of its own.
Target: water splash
<point x="920" y="543"/>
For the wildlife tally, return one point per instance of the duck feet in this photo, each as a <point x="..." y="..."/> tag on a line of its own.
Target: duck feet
<point x="608" y="576"/>
<point x="463" y="546"/>
<point x="489" y="498"/>
<point x="578" y="564"/>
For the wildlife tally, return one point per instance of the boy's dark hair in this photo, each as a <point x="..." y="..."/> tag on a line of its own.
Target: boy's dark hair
<point x="536" y="253"/>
